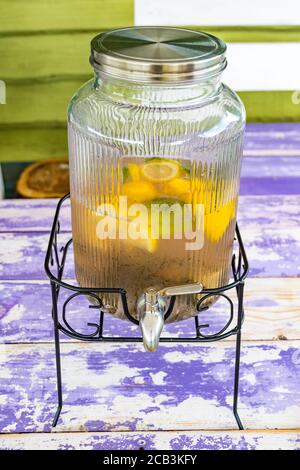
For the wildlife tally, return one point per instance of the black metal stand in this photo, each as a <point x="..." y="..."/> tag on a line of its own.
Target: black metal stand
<point x="56" y="258"/>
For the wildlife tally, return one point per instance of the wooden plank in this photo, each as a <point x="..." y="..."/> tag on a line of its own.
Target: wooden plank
<point x="45" y="103"/>
<point x="63" y="54"/>
<point x="252" y="66"/>
<point x="273" y="252"/>
<point x="32" y="215"/>
<point x="272" y="139"/>
<point x="48" y="59"/>
<point x="272" y="313"/>
<point x="22" y="255"/>
<point x="36" y="215"/>
<point x="270" y="232"/>
<point x="270" y="106"/>
<point x="255" y="33"/>
<point x="35" y="101"/>
<point x="119" y="387"/>
<point x="263" y="139"/>
<point x="45" y="15"/>
<point x="270" y="185"/>
<point x="271" y="166"/>
<point x="216" y="12"/>
<point x="23" y="145"/>
<point x="161" y="440"/>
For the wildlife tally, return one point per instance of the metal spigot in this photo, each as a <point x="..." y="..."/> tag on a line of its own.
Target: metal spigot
<point x="152" y="306"/>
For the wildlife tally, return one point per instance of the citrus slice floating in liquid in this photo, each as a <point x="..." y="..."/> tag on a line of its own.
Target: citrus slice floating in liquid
<point x="160" y="170"/>
<point x="140" y="191"/>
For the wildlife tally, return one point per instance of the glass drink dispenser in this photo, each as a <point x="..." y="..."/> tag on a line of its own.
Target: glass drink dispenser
<point x="155" y="144"/>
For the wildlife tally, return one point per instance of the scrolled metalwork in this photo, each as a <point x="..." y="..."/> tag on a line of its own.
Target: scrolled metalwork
<point x="239" y="273"/>
<point x="66" y="327"/>
<point x="53" y="259"/>
<point x="218" y="334"/>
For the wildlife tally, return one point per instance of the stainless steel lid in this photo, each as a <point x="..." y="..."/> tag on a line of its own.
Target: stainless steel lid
<point x="158" y="53"/>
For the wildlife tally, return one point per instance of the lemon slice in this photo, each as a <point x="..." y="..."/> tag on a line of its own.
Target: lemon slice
<point x="134" y="171"/>
<point x="140" y="191"/>
<point x="216" y="223"/>
<point x="160" y="171"/>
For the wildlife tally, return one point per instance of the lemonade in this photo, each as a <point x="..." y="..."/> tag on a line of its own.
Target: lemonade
<point x="154" y="261"/>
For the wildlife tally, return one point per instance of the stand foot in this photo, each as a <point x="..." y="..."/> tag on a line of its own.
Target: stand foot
<point x="57" y="356"/>
<point x="240" y="292"/>
<point x="238" y="420"/>
<point x="57" y="414"/>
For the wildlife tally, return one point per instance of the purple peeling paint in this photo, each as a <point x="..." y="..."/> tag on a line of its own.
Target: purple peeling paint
<point x="30" y="390"/>
<point x="273" y="252"/>
<point x="198" y="440"/>
<point x="263" y="136"/>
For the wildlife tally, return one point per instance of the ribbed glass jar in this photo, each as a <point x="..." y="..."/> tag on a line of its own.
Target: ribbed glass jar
<point x="123" y="135"/>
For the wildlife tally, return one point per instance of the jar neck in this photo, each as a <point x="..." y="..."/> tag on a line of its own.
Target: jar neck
<point x="158" y="94"/>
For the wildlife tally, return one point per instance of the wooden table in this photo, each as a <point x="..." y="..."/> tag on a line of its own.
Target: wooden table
<point x="119" y="397"/>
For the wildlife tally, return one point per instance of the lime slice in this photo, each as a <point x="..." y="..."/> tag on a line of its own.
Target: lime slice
<point x="160" y="171"/>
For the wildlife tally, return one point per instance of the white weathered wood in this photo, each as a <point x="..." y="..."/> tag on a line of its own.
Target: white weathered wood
<point x="254" y="66"/>
<point x="271" y="307"/>
<point x="216" y="12"/>
<point x="118" y="387"/>
<point x="161" y="440"/>
<point x="36" y="215"/>
<point x="272" y="251"/>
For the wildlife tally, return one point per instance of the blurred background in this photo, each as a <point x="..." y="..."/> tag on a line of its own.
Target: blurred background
<point x="44" y="59"/>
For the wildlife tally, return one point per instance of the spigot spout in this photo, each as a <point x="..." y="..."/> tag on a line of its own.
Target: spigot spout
<point x="151" y="308"/>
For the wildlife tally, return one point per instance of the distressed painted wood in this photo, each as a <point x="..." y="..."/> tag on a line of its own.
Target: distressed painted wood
<point x="55" y="16"/>
<point x="272" y="313"/>
<point x="278" y="174"/>
<point x="252" y="65"/>
<point x="270" y="229"/>
<point x="270" y="106"/>
<point x="37" y="101"/>
<point x="46" y="101"/>
<point x="31" y="144"/>
<point x="32" y="215"/>
<point x="272" y="167"/>
<point x="67" y="54"/>
<point x="174" y="440"/>
<point x="22" y="255"/>
<point x="36" y="215"/>
<point x="216" y="12"/>
<point x="272" y="137"/>
<point x="274" y="252"/>
<point x="20" y="16"/>
<point x="255" y="33"/>
<point x="270" y="185"/>
<point x="161" y="400"/>
<point x="118" y="387"/>
<point x="71" y="59"/>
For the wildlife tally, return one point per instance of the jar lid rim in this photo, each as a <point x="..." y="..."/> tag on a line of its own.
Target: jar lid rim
<point x="151" y="53"/>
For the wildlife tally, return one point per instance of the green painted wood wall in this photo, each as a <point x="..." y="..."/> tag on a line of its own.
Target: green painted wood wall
<point x="44" y="50"/>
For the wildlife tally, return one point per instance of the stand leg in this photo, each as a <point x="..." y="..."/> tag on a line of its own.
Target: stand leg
<point x="57" y="355"/>
<point x="240" y="292"/>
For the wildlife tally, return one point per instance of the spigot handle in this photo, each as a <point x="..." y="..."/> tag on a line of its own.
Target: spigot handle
<point x="184" y="289"/>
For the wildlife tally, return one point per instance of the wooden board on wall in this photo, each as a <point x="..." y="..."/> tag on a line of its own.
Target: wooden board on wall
<point x="25" y="144"/>
<point x="252" y="65"/>
<point x="213" y="12"/>
<point x="53" y="15"/>
<point x="44" y="52"/>
<point x="46" y="102"/>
